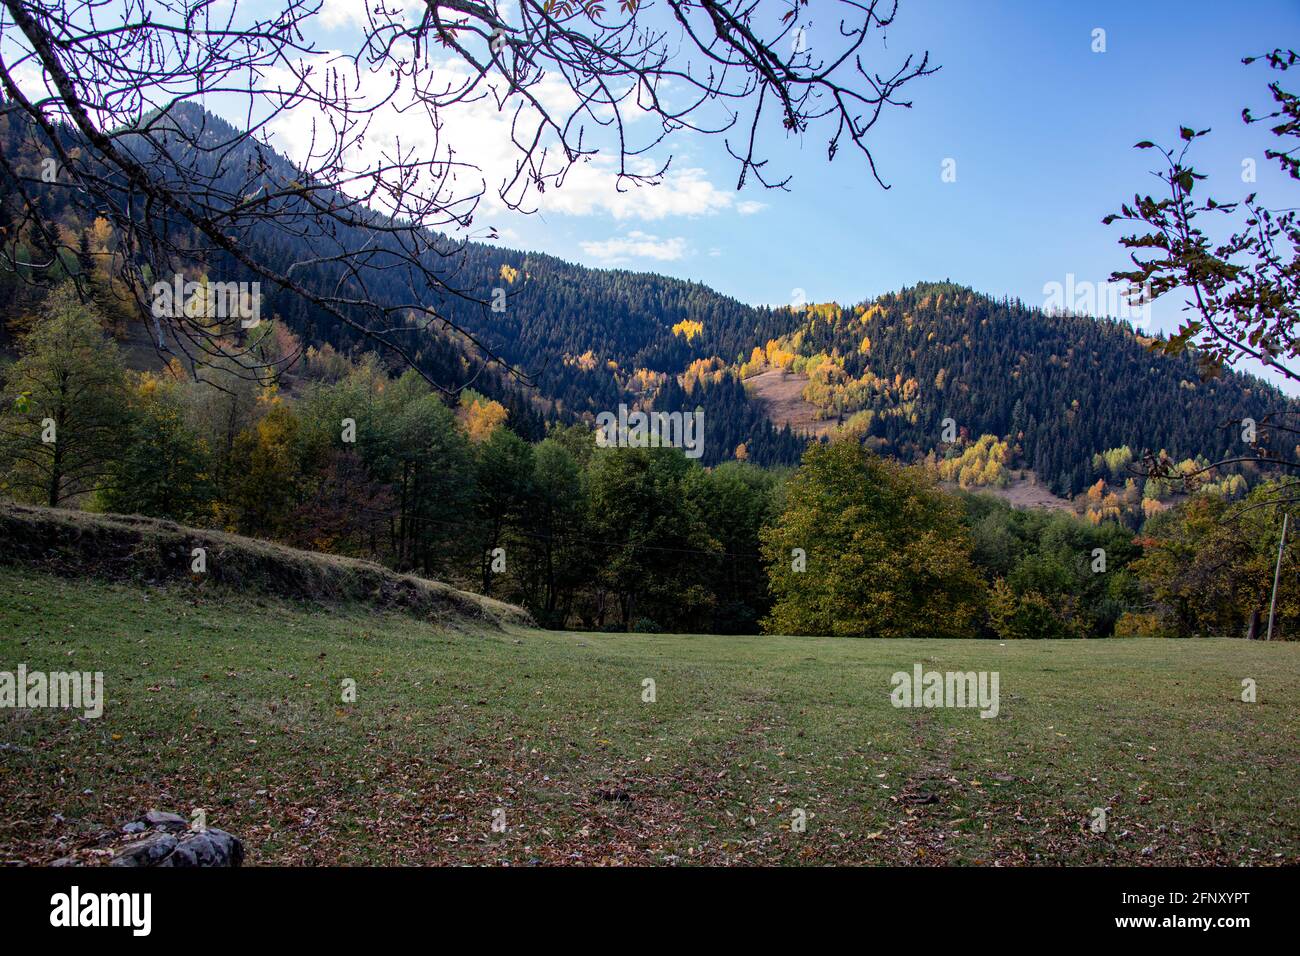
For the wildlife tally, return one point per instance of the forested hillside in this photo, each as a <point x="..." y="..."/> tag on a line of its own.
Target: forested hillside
<point x="1059" y="390"/>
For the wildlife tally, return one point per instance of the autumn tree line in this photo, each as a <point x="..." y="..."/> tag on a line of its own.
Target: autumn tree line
<point x="346" y="457"/>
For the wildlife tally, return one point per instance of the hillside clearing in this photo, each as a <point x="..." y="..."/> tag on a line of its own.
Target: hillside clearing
<point x="781" y="394"/>
<point x="1024" y="490"/>
<point x="234" y="705"/>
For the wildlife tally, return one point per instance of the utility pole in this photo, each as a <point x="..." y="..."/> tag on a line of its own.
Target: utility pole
<point x="1277" y="573"/>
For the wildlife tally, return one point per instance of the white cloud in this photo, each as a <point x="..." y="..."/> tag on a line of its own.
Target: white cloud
<point x="593" y="187"/>
<point x="481" y="135"/>
<point x="635" y="245"/>
<point x="32" y="80"/>
<point x="342" y="13"/>
<point x="748" y="207"/>
<point x="352" y="13"/>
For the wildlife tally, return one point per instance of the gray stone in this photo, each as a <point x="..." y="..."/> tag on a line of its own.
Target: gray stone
<point x="150" y="851"/>
<point x="169" y="821"/>
<point x="169" y="841"/>
<point x="210" y="847"/>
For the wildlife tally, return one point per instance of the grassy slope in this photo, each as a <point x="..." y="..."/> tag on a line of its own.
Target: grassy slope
<point x="234" y="706"/>
<point x="154" y="551"/>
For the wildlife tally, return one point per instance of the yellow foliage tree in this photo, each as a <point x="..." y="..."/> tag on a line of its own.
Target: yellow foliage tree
<point x="479" y="415"/>
<point x="689" y="328"/>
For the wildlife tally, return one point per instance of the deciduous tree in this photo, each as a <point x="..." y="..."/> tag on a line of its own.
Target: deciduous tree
<point x="64" y="405"/>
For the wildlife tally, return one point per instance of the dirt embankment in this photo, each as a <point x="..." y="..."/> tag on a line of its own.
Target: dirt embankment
<point x="152" y="551"/>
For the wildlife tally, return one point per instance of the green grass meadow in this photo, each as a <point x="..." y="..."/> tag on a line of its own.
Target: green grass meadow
<point x="234" y="704"/>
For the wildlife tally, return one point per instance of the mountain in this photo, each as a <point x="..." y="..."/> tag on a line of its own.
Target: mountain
<point x="1061" y="389"/>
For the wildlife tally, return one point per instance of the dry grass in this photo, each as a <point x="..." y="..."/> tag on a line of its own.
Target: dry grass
<point x="781" y="393"/>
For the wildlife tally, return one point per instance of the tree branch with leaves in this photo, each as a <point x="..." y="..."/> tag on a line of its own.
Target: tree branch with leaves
<point x="1242" y="292"/>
